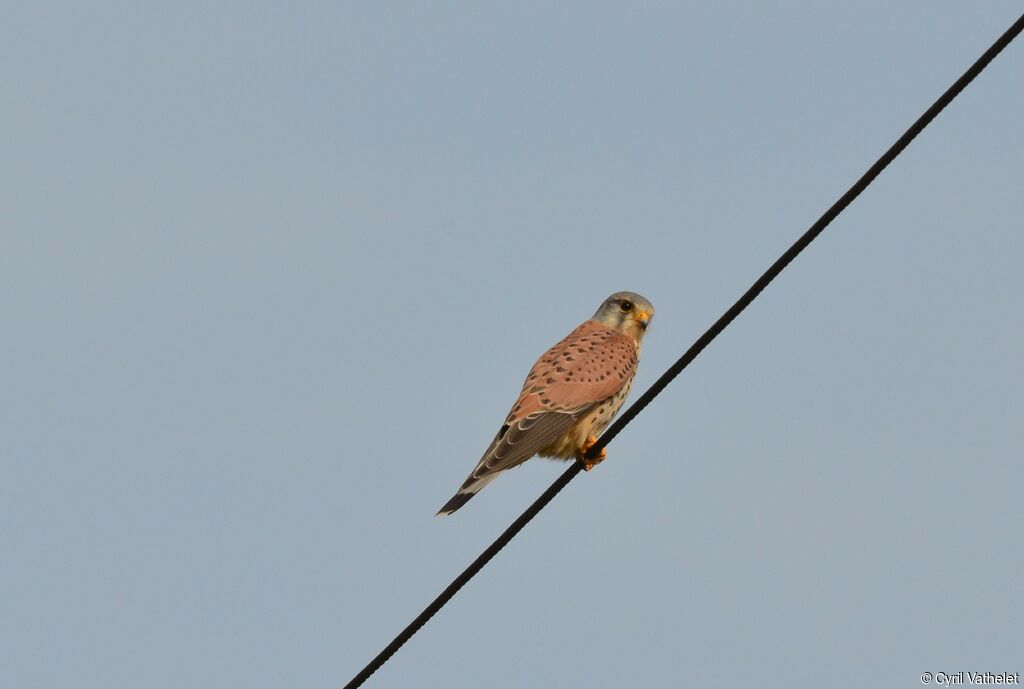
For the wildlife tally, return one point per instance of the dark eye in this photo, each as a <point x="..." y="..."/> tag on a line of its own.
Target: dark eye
<point x="626" y="305"/>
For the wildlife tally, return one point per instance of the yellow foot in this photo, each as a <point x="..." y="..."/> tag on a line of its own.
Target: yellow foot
<point x="588" y="463"/>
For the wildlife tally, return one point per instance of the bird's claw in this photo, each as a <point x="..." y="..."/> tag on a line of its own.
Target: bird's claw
<point x="589" y="463"/>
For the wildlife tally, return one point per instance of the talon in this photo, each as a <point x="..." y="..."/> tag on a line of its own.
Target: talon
<point x="589" y="463"/>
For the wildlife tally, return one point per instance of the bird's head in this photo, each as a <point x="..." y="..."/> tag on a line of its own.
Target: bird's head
<point x="626" y="312"/>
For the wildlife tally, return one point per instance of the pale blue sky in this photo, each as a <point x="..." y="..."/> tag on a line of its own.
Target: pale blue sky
<point x="272" y="275"/>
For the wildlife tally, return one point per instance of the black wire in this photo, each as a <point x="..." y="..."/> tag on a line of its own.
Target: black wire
<point x="809" y="236"/>
<point x="703" y="341"/>
<point x="467" y="574"/>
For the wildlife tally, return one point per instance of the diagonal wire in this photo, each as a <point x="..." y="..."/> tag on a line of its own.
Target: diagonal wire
<point x="703" y="341"/>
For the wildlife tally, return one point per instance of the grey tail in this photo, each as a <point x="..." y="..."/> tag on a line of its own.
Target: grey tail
<point x="472" y="486"/>
<point x="457" y="501"/>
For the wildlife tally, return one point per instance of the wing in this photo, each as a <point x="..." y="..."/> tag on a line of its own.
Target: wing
<point x="591" y="364"/>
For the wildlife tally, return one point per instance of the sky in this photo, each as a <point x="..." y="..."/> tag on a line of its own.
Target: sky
<point x="272" y="275"/>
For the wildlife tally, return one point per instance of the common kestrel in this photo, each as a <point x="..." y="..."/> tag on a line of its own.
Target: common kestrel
<point x="570" y="395"/>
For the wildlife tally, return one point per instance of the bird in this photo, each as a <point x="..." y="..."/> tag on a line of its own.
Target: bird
<point x="570" y="395"/>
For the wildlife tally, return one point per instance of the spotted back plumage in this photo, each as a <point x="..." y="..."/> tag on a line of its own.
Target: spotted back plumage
<point x="588" y="365"/>
<point x="584" y="377"/>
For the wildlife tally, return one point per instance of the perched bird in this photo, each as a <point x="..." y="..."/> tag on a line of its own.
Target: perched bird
<point x="570" y="394"/>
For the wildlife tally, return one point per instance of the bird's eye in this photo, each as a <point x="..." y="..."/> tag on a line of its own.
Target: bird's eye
<point x="626" y="306"/>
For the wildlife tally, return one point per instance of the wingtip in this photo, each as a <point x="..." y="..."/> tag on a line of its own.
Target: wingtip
<point x="457" y="501"/>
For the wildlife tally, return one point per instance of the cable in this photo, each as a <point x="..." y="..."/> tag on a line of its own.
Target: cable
<point x="809" y="236"/>
<point x="467" y="574"/>
<point x="703" y="341"/>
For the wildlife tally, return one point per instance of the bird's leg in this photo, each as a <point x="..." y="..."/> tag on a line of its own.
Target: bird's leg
<point x="588" y="463"/>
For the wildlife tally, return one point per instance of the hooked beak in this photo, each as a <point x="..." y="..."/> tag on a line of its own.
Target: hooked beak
<point x="643" y="318"/>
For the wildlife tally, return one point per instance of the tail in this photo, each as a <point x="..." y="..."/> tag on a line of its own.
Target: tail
<point x="471" y="487"/>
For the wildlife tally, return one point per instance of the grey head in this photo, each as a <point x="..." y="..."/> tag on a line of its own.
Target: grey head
<point x="627" y="312"/>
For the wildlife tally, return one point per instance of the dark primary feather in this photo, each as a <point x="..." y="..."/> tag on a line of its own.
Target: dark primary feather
<point x="514" y="444"/>
<point x="457" y="501"/>
<point x="522" y="440"/>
